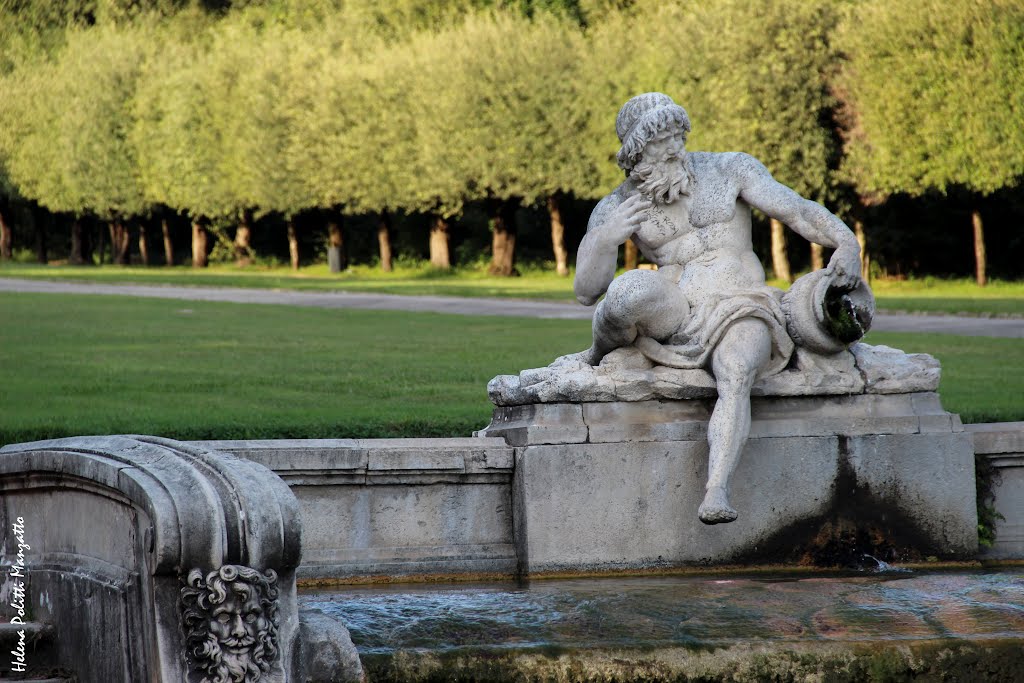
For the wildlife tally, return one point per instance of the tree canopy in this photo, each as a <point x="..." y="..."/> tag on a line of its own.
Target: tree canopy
<point x="114" y="107"/>
<point x="937" y="91"/>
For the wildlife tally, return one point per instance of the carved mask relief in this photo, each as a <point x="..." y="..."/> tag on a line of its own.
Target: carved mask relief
<point x="230" y="622"/>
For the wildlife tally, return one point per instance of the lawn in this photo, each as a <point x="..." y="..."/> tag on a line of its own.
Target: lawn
<point x="197" y="370"/>
<point x="925" y="295"/>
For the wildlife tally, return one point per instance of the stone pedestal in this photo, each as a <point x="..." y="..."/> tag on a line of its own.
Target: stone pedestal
<point x="616" y="485"/>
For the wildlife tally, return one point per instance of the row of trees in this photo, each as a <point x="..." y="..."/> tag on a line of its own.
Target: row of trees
<point x="118" y="109"/>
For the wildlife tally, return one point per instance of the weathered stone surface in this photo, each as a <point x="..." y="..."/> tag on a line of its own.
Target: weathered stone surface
<point x="662" y="420"/>
<point x="115" y="524"/>
<point x="545" y="423"/>
<point x="634" y="505"/>
<point x="627" y="495"/>
<point x="599" y="506"/>
<point x="928" y="479"/>
<point x="1001" y="446"/>
<point x="891" y="371"/>
<point x="326" y="652"/>
<point x="398" y="506"/>
<point x="863" y="369"/>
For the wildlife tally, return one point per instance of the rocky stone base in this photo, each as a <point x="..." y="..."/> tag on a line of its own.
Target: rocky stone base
<point x="627" y="375"/>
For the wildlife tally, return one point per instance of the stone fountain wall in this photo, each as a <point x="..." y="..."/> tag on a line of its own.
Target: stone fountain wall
<point x="568" y="494"/>
<point x="1001" y="445"/>
<point x="129" y="522"/>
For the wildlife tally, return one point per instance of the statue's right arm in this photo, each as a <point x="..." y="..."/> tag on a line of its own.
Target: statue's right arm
<point x="613" y="221"/>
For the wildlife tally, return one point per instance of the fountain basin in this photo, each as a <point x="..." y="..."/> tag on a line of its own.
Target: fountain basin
<point x="856" y="627"/>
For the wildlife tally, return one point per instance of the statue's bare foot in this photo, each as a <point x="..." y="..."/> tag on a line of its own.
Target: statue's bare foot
<point x="716" y="509"/>
<point x="586" y="357"/>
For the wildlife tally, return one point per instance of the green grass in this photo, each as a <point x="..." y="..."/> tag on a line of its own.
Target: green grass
<point x="92" y="365"/>
<point x="195" y="370"/>
<point x="411" y="280"/>
<point x="956" y="296"/>
<point x="926" y="295"/>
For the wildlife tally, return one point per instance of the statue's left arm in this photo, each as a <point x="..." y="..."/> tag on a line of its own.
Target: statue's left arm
<point x="807" y="218"/>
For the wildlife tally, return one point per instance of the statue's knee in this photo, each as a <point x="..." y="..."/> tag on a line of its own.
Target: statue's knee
<point x="631" y="294"/>
<point x="735" y="383"/>
<point x="740" y="356"/>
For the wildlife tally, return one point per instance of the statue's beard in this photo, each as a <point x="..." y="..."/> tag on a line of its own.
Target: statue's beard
<point x="663" y="180"/>
<point x="239" y="668"/>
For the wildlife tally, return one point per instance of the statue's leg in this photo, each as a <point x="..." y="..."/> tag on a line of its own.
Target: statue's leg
<point x="637" y="302"/>
<point x="742" y="352"/>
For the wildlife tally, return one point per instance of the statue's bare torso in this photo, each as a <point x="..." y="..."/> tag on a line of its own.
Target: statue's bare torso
<point x="707" y="232"/>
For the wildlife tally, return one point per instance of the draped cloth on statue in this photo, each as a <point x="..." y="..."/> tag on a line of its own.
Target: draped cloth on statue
<point x="691" y="347"/>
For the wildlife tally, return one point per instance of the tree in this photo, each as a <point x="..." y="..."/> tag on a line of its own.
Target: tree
<point x="178" y="148"/>
<point x="510" y="99"/>
<point x="765" y="79"/>
<point x="6" y="192"/>
<point x="78" y="159"/>
<point x="936" y="95"/>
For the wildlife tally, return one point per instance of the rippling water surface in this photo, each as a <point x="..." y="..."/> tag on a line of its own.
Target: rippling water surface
<point x="647" y="612"/>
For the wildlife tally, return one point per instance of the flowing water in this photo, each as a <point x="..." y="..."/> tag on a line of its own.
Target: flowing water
<point x="652" y="612"/>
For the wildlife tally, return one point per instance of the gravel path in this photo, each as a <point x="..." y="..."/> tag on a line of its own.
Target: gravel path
<point x="884" y="322"/>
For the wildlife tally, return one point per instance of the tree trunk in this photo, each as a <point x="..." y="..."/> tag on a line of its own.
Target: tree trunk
<point x="979" y="250"/>
<point x="558" y="237"/>
<point x="243" y="239"/>
<point x="780" y="261"/>
<point x="6" y="243"/>
<point x="101" y="245"/>
<point x="293" y="244"/>
<point x="384" y="242"/>
<point x="76" y="257"/>
<point x="168" y="245"/>
<point x="817" y="256"/>
<point x="439" y="256"/>
<point x="120" y="242"/>
<point x="865" y="257"/>
<point x="336" y="256"/>
<point x="199" y="240"/>
<point x="40" y="222"/>
<point x="630" y="255"/>
<point x="503" y="240"/>
<point x="143" y="246"/>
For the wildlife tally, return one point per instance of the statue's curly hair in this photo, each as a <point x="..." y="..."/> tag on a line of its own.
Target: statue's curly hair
<point x="202" y="593"/>
<point x="641" y="119"/>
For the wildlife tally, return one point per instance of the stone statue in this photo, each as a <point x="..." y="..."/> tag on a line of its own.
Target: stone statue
<point x="230" y="618"/>
<point x="707" y="306"/>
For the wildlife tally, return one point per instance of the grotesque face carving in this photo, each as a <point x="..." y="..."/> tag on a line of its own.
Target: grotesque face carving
<point x="230" y="618"/>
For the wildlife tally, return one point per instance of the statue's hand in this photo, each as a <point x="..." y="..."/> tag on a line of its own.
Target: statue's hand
<point x="844" y="268"/>
<point x="626" y="219"/>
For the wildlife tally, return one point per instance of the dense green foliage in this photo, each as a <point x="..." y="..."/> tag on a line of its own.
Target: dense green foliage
<point x="938" y="88"/>
<point x="209" y="108"/>
<point x="101" y="365"/>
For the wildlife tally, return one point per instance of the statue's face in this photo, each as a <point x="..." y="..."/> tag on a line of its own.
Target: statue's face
<point x="668" y="144"/>
<point x="661" y="172"/>
<point x="236" y="624"/>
